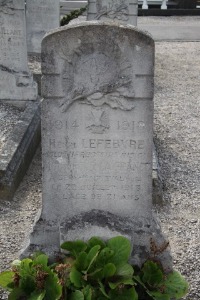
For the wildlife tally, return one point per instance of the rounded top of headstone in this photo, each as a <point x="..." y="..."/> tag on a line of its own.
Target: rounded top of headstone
<point x="112" y="25"/>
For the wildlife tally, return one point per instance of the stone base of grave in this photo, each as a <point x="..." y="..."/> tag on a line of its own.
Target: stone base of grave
<point x="19" y="149"/>
<point x="18" y="85"/>
<point x="145" y="235"/>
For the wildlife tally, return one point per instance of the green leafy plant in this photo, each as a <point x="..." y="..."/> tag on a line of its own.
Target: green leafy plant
<point x="95" y="270"/>
<point x="72" y="15"/>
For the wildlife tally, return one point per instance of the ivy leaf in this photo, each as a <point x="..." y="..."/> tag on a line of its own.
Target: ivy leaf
<point x="74" y="247"/>
<point x="109" y="270"/>
<point x="77" y="295"/>
<point x="122" y="249"/>
<point x="175" y="285"/>
<point x="152" y="273"/>
<point x="96" y="241"/>
<point x="52" y="287"/>
<point x="124" y="294"/>
<point x="76" y="278"/>
<point x="6" y="280"/>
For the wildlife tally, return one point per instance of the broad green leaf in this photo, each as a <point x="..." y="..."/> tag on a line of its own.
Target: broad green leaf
<point x="123" y="281"/>
<point x="125" y="270"/>
<point x="104" y="256"/>
<point x="16" y="294"/>
<point x="81" y="262"/>
<point x="102" y="289"/>
<point x="158" y="296"/>
<point x="77" y="295"/>
<point x="92" y="255"/>
<point x="27" y="283"/>
<point x="96" y="241"/>
<point x="124" y="294"/>
<point x="6" y="279"/>
<point x="36" y="254"/>
<point x="76" y="278"/>
<point x="122" y="249"/>
<point x="87" y="292"/>
<point x="42" y="259"/>
<point x="52" y="287"/>
<point x="74" y="247"/>
<point x="175" y="285"/>
<point x="109" y="270"/>
<point x="37" y="295"/>
<point x="152" y="273"/>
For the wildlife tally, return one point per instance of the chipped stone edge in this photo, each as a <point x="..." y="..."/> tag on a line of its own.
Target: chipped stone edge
<point x="17" y="153"/>
<point x="157" y="185"/>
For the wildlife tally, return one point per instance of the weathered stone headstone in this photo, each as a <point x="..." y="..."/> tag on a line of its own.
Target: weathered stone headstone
<point x="41" y="17"/>
<point x="16" y="82"/>
<point x="97" y="120"/>
<point x="123" y="11"/>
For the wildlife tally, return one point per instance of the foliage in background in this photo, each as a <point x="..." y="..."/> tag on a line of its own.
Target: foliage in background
<point x="91" y="271"/>
<point x="72" y="15"/>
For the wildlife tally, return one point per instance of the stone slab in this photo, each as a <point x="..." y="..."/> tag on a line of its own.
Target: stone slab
<point x="16" y="80"/>
<point x="41" y="17"/>
<point x="123" y="11"/>
<point x="17" y="153"/>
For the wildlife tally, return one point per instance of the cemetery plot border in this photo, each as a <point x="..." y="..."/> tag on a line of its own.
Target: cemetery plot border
<point x="19" y="149"/>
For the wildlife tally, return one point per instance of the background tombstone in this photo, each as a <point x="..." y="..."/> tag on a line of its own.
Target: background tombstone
<point x="16" y="82"/>
<point x="41" y="17"/>
<point x="97" y="120"/>
<point x="124" y="11"/>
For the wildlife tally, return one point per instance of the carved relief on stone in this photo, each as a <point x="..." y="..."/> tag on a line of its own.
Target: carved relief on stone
<point x="95" y="78"/>
<point x="112" y="9"/>
<point x="7" y="6"/>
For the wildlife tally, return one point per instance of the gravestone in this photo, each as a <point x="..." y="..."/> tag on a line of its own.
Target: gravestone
<point x="123" y="11"/>
<point x="97" y="119"/>
<point x="41" y="17"/>
<point x="16" y="82"/>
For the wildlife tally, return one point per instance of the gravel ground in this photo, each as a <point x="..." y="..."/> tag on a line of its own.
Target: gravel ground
<point x="177" y="136"/>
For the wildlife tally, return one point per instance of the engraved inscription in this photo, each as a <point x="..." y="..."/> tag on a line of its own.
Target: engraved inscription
<point x="99" y="156"/>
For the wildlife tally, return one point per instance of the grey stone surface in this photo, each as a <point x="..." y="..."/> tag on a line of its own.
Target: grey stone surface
<point x="16" y="80"/>
<point x="123" y="11"/>
<point x="41" y="17"/>
<point x="19" y="149"/>
<point x="97" y="119"/>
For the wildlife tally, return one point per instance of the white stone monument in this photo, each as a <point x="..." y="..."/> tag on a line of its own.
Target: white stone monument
<point x="97" y="119"/>
<point x="41" y="17"/>
<point x="123" y="11"/>
<point x="16" y="82"/>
